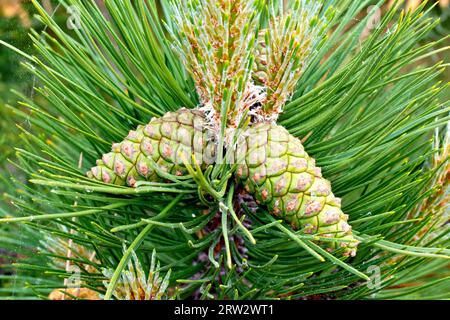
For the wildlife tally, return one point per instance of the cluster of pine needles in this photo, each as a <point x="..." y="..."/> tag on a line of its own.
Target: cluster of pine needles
<point x="368" y="107"/>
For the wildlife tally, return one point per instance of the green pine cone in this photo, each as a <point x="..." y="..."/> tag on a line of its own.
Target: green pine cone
<point x="165" y="142"/>
<point x="274" y="167"/>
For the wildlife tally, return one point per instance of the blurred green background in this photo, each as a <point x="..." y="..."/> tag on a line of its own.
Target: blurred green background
<point x="16" y="21"/>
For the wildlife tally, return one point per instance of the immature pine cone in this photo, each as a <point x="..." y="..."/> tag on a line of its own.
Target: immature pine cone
<point x="276" y="170"/>
<point x="273" y="167"/>
<point x="165" y="141"/>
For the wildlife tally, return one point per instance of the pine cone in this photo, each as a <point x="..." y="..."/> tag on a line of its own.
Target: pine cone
<point x="274" y="167"/>
<point x="165" y="142"/>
